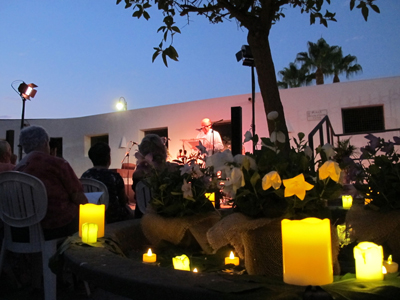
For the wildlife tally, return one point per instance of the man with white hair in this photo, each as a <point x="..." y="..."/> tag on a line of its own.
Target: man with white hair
<point x="213" y="138"/>
<point x="64" y="190"/>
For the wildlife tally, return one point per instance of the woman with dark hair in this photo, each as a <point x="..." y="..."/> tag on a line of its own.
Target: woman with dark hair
<point x="152" y="154"/>
<point x="118" y="209"/>
<point x="64" y="190"/>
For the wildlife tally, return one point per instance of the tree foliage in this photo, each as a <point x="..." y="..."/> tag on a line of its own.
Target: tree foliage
<point x="257" y="16"/>
<point x="324" y="60"/>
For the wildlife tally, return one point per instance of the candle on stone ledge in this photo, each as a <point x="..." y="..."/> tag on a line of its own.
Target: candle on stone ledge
<point x="390" y="265"/>
<point x="369" y="258"/>
<point x="149" y="257"/>
<point x="232" y="259"/>
<point x="211" y="197"/>
<point x="347" y="201"/>
<point x="89" y="233"/>
<point x="307" y="252"/>
<point x="92" y="213"/>
<point x="181" y="262"/>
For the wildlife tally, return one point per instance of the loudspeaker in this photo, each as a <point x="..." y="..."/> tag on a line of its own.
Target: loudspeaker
<point x="236" y="128"/>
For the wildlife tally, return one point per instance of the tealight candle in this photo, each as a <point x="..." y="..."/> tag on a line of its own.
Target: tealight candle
<point x="232" y="259"/>
<point x="89" y="233"/>
<point x="181" y="263"/>
<point x="347" y="201"/>
<point x="92" y="213"/>
<point x="369" y="258"/>
<point x="149" y="257"/>
<point x="391" y="266"/>
<point x="195" y="270"/>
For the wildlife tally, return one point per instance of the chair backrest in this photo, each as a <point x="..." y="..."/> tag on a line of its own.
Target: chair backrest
<point x="91" y="185"/>
<point x="143" y="196"/>
<point x="23" y="199"/>
<point x="23" y="203"/>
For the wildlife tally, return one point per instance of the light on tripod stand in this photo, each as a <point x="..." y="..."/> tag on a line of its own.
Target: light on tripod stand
<point x="27" y="91"/>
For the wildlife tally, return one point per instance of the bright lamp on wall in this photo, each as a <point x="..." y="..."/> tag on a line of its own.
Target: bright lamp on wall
<point x="121" y="104"/>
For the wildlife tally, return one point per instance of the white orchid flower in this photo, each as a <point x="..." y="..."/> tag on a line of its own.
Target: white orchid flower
<point x="236" y="179"/>
<point x="273" y="115"/>
<point x="246" y="161"/>
<point x="328" y="149"/>
<point x="277" y="136"/>
<point x="219" y="160"/>
<point x="187" y="189"/>
<point x="308" y="151"/>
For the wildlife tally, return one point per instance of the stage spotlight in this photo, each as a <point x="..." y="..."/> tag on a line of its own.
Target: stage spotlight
<point x="27" y="91"/>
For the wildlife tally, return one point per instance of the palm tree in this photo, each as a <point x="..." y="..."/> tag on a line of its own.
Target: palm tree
<point x="345" y="64"/>
<point x="294" y="77"/>
<point x="319" y="58"/>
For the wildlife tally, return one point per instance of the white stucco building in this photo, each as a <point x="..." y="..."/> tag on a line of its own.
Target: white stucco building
<point x="351" y="106"/>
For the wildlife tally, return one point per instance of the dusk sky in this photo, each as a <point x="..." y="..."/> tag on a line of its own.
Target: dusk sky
<point x="85" y="55"/>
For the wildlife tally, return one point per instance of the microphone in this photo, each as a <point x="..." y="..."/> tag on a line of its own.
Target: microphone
<point x="217" y="121"/>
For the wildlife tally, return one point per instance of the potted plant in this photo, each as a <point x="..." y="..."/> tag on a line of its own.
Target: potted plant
<point x="180" y="213"/>
<point x="268" y="186"/>
<point x="377" y="217"/>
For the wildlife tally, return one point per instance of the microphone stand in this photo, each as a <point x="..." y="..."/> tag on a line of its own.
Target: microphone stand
<point x="127" y="153"/>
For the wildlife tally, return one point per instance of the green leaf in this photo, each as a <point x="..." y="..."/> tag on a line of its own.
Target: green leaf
<point x="147" y="5"/>
<point x="352" y="3"/>
<point x="255" y="178"/>
<point x="155" y="54"/>
<point x="146" y="15"/>
<point x="176" y="29"/>
<point x="375" y="8"/>
<point x="137" y="14"/>
<point x="365" y="12"/>
<point x="164" y="57"/>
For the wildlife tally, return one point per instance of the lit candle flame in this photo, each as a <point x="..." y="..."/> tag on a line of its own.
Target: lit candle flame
<point x="231" y="256"/>
<point x="195" y="270"/>
<point x="149" y="253"/>
<point x="389" y="260"/>
<point x="384" y="270"/>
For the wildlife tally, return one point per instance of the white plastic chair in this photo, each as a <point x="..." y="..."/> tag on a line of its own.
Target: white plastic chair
<point x="91" y="185"/>
<point x="23" y="203"/>
<point x="143" y="196"/>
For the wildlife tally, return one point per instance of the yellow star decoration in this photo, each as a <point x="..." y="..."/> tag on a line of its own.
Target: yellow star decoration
<point x="329" y="169"/>
<point x="297" y="186"/>
<point x="271" y="179"/>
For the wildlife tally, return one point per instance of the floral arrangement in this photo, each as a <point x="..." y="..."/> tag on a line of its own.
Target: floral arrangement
<point x="273" y="183"/>
<point x="179" y="190"/>
<point x="378" y="178"/>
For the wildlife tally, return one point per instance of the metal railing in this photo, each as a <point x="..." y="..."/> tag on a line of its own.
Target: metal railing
<point x="326" y="134"/>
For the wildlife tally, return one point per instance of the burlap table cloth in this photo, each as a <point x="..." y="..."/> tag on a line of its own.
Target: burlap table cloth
<point x="179" y="230"/>
<point x="258" y="242"/>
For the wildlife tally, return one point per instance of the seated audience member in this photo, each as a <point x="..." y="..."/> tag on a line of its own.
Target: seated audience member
<point x="152" y="153"/>
<point x="118" y="209"/>
<point x="5" y="157"/>
<point x="64" y="190"/>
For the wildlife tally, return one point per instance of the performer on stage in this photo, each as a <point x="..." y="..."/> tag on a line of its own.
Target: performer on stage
<point x="213" y="137"/>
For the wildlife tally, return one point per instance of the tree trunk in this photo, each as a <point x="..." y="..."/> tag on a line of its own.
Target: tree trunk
<point x="260" y="48"/>
<point x="319" y="76"/>
<point x="336" y="78"/>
